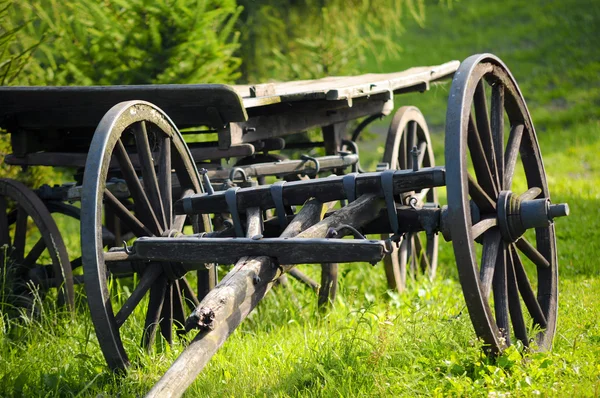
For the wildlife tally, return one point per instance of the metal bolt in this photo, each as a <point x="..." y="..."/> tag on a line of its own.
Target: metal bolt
<point x="415" y="158"/>
<point x="206" y="181"/>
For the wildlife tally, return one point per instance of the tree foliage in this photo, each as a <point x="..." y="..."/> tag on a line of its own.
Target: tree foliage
<point x="302" y="39"/>
<point x="128" y="41"/>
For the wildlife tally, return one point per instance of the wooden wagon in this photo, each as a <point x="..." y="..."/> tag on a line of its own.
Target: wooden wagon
<point x="158" y="202"/>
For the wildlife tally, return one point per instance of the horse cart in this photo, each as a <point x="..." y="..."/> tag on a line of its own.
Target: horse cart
<point x="156" y="203"/>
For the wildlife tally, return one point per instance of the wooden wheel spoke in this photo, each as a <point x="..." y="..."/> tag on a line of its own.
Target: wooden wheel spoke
<point x="179" y="219"/>
<point x="412" y="254"/>
<point x="35" y="253"/>
<point x="166" y="315"/>
<point x="422" y="253"/>
<point x="422" y="153"/>
<point x="411" y="142"/>
<point x="514" y="302"/>
<point x="482" y="226"/>
<point x="148" y="278"/>
<point x="501" y="295"/>
<point x="164" y="179"/>
<point x="4" y="234"/>
<point x="403" y="151"/>
<point x="183" y="170"/>
<point x="530" y="194"/>
<point x="491" y="245"/>
<point x="76" y="263"/>
<point x="138" y="228"/>
<point x="188" y="294"/>
<point x="149" y="177"/>
<point x="20" y="235"/>
<point x="511" y="154"/>
<point x="157" y="296"/>
<point x="532" y="253"/>
<point x="302" y="277"/>
<point x="142" y="203"/>
<point x="480" y="197"/>
<point x="178" y="307"/>
<point x="480" y="163"/>
<point x="485" y="130"/>
<point x="529" y="297"/>
<point x="497" y="125"/>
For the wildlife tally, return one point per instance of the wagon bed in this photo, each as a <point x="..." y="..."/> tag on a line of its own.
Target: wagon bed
<point x="53" y="125"/>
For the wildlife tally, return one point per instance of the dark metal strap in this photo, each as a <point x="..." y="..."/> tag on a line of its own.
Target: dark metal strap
<point x="353" y="147"/>
<point x="387" y="185"/>
<point x="277" y="195"/>
<point x="231" y="200"/>
<point x="349" y="183"/>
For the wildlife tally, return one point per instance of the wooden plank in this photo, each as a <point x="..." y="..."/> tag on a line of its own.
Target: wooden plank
<point x="346" y="87"/>
<point x="302" y="116"/>
<point x="69" y="159"/>
<point x="287" y="251"/>
<point x="62" y="107"/>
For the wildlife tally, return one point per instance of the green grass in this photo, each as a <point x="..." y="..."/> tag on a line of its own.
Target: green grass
<point x="376" y="343"/>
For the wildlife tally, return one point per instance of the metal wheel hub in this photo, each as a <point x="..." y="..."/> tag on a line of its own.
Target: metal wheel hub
<point x="517" y="214"/>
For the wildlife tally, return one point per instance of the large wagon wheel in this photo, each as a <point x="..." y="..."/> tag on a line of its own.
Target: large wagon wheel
<point x="44" y="262"/>
<point x="407" y="131"/>
<point x="498" y="267"/>
<point x="134" y="136"/>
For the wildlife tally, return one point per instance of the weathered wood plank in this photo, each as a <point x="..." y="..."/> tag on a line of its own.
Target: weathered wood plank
<point x="74" y="159"/>
<point x="344" y="87"/>
<point x="287" y="251"/>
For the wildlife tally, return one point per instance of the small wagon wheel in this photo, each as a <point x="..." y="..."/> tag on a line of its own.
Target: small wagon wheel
<point x="499" y="268"/>
<point x="132" y="136"/>
<point x="24" y="253"/>
<point x="408" y="131"/>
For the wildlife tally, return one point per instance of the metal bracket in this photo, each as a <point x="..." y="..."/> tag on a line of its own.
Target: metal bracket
<point x="240" y="171"/>
<point x="277" y="195"/>
<point x="315" y="161"/>
<point x="231" y="200"/>
<point x="387" y="185"/>
<point x="349" y="183"/>
<point x="344" y="230"/>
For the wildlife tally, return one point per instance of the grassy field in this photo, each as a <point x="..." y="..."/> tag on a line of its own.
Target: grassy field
<point x="377" y="343"/>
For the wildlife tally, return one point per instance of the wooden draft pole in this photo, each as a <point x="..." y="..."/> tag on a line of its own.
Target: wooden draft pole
<point x="230" y="302"/>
